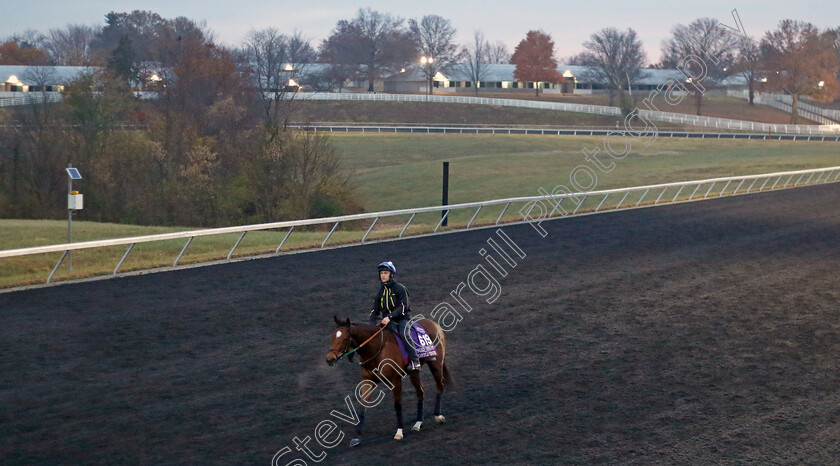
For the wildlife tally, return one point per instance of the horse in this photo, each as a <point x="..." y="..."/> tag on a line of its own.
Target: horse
<point x="381" y="361"/>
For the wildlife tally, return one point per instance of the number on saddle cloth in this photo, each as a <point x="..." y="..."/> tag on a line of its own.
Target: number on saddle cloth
<point x="423" y="343"/>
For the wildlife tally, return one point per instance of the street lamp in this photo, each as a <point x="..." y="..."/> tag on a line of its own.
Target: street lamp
<point x="427" y="64"/>
<point x="821" y="84"/>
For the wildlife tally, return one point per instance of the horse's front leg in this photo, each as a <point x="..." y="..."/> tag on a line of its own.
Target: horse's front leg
<point x="397" y="390"/>
<point x="355" y="441"/>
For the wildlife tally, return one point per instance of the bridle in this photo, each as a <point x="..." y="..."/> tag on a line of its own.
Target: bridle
<point x="351" y="351"/>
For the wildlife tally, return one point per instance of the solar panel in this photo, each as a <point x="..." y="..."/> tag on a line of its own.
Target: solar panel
<point x="74" y="173"/>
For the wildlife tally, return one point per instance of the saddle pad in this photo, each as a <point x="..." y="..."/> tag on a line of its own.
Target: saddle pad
<point x="423" y="344"/>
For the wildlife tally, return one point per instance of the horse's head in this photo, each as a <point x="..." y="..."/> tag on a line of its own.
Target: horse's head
<point x="341" y="340"/>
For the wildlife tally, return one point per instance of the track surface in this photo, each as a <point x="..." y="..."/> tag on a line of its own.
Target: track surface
<point x="704" y="332"/>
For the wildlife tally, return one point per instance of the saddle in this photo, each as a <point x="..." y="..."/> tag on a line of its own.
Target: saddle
<point x="423" y="344"/>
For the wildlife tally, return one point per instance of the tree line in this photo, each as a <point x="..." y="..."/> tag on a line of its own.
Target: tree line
<point x="201" y="153"/>
<point x="212" y="148"/>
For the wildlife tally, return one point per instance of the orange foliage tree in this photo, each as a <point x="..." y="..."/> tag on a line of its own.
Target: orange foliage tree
<point x="801" y="61"/>
<point x="534" y="60"/>
<point x="12" y="54"/>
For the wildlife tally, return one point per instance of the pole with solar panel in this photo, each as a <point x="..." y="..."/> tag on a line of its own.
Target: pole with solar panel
<point x="75" y="201"/>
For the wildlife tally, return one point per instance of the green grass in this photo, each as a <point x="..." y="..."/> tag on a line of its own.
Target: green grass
<point x="404" y="171"/>
<point x="394" y="171"/>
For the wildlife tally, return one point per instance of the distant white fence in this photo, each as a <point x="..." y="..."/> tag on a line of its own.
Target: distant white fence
<point x="670" y="117"/>
<point x="732" y="185"/>
<point x="785" y="103"/>
<point x="30" y="98"/>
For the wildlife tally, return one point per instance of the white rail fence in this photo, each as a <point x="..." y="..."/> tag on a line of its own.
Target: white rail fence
<point x="31" y="98"/>
<point x="785" y="103"/>
<point x="670" y="117"/>
<point x="650" y="195"/>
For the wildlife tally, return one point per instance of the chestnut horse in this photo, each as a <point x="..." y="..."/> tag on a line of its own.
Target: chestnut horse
<point x="381" y="362"/>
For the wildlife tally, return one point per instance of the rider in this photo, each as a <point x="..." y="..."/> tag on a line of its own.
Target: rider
<point x="392" y="303"/>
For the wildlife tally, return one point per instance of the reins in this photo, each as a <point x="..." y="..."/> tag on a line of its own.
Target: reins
<point x="364" y="343"/>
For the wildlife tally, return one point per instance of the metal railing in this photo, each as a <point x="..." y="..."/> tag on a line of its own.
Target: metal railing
<point x="747" y="182"/>
<point x="654" y="115"/>
<point x="500" y="129"/>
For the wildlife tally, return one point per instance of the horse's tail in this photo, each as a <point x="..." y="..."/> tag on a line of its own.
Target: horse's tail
<point x="448" y="380"/>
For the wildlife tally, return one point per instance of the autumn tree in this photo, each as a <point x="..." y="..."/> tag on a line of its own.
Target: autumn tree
<point x="801" y="60"/>
<point x="709" y="42"/>
<point x="534" y="60"/>
<point x="615" y="59"/>
<point x="435" y="38"/>
<point x="13" y="54"/>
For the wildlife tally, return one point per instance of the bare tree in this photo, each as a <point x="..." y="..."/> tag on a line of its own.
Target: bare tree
<point x="749" y="64"/>
<point x="475" y="59"/>
<point x="377" y="41"/>
<point x="435" y="37"/>
<point x="299" y="50"/>
<point x="70" y="46"/>
<point x="706" y="40"/>
<point x="497" y="53"/>
<point x="267" y="53"/>
<point x="578" y="60"/>
<point x="615" y="59"/>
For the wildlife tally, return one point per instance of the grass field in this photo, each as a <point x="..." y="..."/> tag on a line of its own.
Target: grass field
<point x="394" y="171"/>
<point x="401" y="171"/>
<point x="431" y="113"/>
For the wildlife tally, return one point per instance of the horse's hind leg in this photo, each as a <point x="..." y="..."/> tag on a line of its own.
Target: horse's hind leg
<point x="437" y="373"/>
<point x="397" y="391"/>
<point x="418" y="387"/>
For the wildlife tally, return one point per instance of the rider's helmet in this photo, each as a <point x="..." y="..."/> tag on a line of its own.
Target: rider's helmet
<point x="388" y="265"/>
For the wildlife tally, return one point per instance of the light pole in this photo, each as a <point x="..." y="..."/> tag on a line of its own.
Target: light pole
<point x="427" y="69"/>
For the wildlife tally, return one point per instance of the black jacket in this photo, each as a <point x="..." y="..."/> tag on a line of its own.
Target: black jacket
<point x="391" y="301"/>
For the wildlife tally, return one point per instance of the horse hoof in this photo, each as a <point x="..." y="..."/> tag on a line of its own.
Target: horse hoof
<point x="399" y="435"/>
<point x="417" y="425"/>
<point x="355" y="442"/>
<point x="440" y="419"/>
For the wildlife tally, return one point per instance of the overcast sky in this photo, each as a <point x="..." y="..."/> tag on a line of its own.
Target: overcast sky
<point x="569" y="23"/>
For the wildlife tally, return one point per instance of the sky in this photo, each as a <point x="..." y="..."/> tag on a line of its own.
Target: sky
<point x="569" y="23"/>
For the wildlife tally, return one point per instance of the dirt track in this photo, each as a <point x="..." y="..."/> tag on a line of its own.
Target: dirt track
<point x="705" y="332"/>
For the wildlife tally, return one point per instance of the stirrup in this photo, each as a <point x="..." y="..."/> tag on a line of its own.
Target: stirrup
<point x="414" y="366"/>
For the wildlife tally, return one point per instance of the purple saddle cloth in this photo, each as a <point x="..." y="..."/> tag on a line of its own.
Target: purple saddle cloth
<point x="423" y="343"/>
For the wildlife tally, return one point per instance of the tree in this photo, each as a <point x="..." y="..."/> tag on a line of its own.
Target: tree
<point x="123" y="62"/>
<point x="12" y="54"/>
<point x="70" y="46"/>
<point x="534" y="60"/>
<point x="475" y="59"/>
<point x="799" y="59"/>
<point x="705" y="39"/>
<point x="497" y="53"/>
<point x="374" y="40"/>
<point x="615" y="59"/>
<point x="143" y="28"/>
<point x="435" y="37"/>
<point x="749" y="64"/>
<point x="299" y="50"/>
<point x="267" y="52"/>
